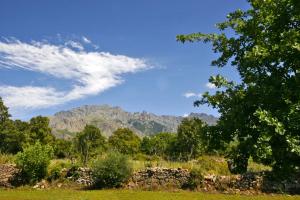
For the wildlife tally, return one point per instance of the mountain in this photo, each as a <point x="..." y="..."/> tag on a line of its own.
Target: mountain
<point x="65" y="124"/>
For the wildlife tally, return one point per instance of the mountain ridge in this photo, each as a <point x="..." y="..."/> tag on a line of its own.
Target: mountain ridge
<point x="108" y="118"/>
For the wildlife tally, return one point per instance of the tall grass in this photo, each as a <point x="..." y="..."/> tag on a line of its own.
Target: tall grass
<point x="7" y="159"/>
<point x="207" y="164"/>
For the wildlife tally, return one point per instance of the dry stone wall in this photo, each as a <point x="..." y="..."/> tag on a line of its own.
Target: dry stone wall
<point x="166" y="178"/>
<point x="159" y="178"/>
<point x="8" y="174"/>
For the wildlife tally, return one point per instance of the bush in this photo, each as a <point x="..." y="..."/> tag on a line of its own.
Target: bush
<point x="111" y="171"/>
<point x="55" y="168"/>
<point x="195" y="180"/>
<point x="33" y="162"/>
<point x="54" y="174"/>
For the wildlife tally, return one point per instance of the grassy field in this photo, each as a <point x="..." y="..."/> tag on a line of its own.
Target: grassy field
<point x="60" y="194"/>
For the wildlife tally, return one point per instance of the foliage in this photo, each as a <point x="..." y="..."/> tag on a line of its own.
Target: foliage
<point x="262" y="113"/>
<point x="7" y="158"/>
<point x="195" y="180"/>
<point x="11" y="139"/>
<point x="63" y="148"/>
<point x="157" y="144"/>
<point x="125" y="141"/>
<point x="111" y="171"/>
<point x="54" y="174"/>
<point x="89" y="142"/>
<point x="4" y="115"/>
<point x="40" y="130"/>
<point x="55" y="168"/>
<point x="33" y="162"/>
<point x="15" y="135"/>
<point x="191" y="135"/>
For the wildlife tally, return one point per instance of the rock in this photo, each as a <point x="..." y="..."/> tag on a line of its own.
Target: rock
<point x="9" y="174"/>
<point x="41" y="185"/>
<point x="82" y="176"/>
<point x="159" y="178"/>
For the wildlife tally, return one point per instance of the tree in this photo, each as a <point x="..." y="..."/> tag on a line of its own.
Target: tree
<point x="125" y="141"/>
<point x="262" y="113"/>
<point x="40" y="130"/>
<point x="4" y="115"/>
<point x="11" y="139"/>
<point x="190" y="137"/>
<point x="63" y="148"/>
<point x="157" y="144"/>
<point x="89" y="142"/>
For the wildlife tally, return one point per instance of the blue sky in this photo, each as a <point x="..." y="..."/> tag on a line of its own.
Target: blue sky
<point x="60" y="54"/>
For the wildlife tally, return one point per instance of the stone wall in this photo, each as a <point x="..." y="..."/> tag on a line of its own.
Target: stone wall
<point x="81" y="175"/>
<point x="166" y="179"/>
<point x="8" y="174"/>
<point x="159" y="178"/>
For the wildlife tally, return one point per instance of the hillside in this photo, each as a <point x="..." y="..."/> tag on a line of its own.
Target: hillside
<point x="65" y="124"/>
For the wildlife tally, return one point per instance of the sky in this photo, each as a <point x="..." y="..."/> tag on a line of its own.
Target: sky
<point x="60" y="54"/>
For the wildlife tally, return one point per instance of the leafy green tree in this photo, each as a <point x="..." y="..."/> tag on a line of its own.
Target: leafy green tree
<point x="40" y="130"/>
<point x="125" y="141"/>
<point x="4" y="115"/>
<point x="63" y="148"/>
<point x="190" y="136"/>
<point x="157" y="144"/>
<point x="11" y="138"/>
<point x="262" y="113"/>
<point x="89" y="142"/>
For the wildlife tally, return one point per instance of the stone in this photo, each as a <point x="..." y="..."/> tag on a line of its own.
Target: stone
<point x="9" y="174"/>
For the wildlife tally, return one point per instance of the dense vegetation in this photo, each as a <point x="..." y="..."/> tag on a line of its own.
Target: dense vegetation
<point x="261" y="114"/>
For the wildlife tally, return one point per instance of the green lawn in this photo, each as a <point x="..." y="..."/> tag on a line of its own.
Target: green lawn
<point x="60" y="194"/>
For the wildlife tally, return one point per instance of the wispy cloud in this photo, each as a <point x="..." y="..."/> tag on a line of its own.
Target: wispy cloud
<point x="86" y="40"/>
<point x="74" y="45"/>
<point x="210" y="85"/>
<point x="88" y="73"/>
<point x="192" y="94"/>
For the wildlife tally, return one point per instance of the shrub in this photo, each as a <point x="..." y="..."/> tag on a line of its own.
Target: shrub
<point x="111" y="171"/>
<point x="55" y="168"/>
<point x="33" y="162"/>
<point x="195" y="180"/>
<point x="54" y="174"/>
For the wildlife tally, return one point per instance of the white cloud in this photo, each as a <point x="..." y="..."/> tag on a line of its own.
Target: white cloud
<point x="86" y="40"/>
<point x="192" y="94"/>
<point x="88" y="73"/>
<point x="29" y="97"/>
<point x="210" y="85"/>
<point x="75" y="45"/>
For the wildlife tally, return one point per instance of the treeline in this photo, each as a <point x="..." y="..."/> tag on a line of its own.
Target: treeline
<point x="191" y="140"/>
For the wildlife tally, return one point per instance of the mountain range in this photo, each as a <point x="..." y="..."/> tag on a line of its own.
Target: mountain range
<point x="65" y="124"/>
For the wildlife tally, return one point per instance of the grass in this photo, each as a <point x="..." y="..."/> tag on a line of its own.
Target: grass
<point x="60" y="194"/>
<point x="7" y="159"/>
<point x="207" y="164"/>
